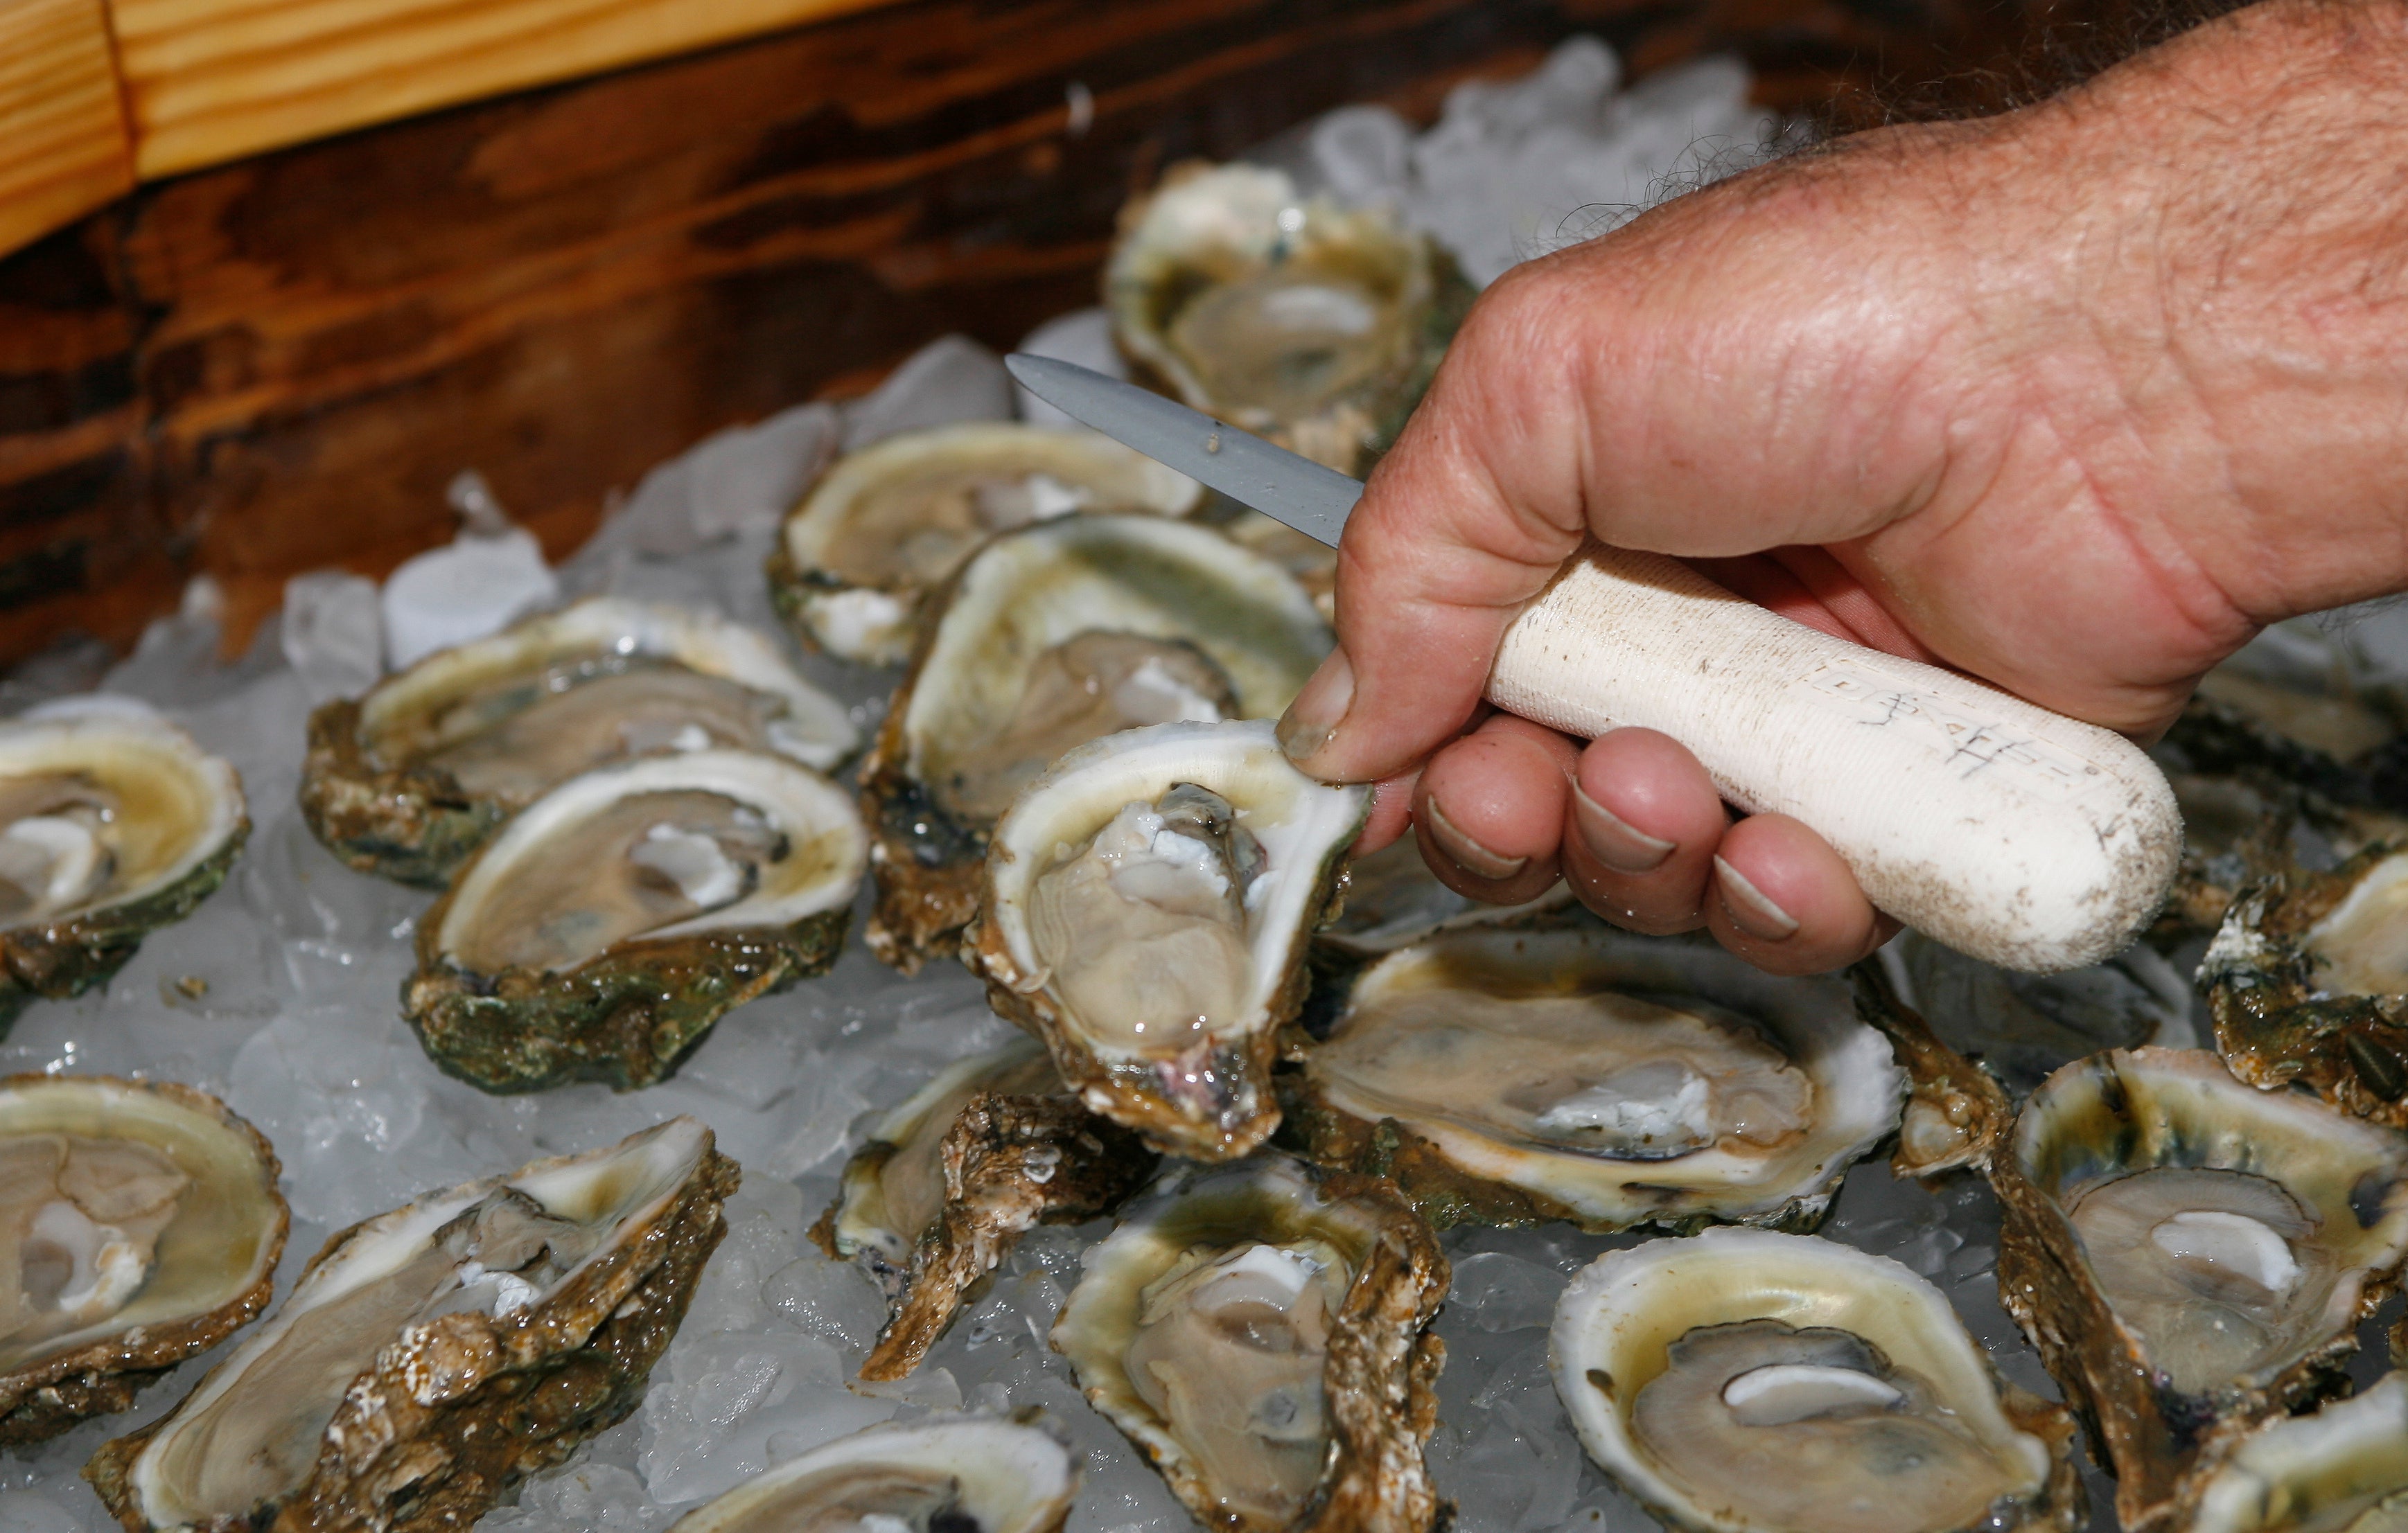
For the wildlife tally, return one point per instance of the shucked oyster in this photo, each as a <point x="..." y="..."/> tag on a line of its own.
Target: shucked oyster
<point x="2191" y="1254"/>
<point x="608" y="924"/>
<point x="1046" y="639"/>
<point x="1148" y="909"/>
<point x="967" y="1474"/>
<point x="2308" y="984"/>
<point x="1315" y="325"/>
<point x="2344" y="1470"/>
<point x="889" y="523"/>
<point x="430" y="1357"/>
<point x="408" y="780"/>
<point x="139" y="1225"/>
<point x="1745" y="1381"/>
<point x="1569" y="1071"/>
<point x="1258" y="1333"/>
<point x="950" y="1180"/>
<point x="112" y="824"/>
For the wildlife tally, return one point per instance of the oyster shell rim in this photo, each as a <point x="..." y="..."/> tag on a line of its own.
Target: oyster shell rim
<point x="935" y="1435"/>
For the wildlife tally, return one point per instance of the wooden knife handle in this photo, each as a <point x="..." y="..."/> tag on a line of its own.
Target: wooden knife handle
<point x="2021" y="836"/>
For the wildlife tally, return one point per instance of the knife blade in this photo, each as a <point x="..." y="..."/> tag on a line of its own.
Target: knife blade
<point x="2023" y="838"/>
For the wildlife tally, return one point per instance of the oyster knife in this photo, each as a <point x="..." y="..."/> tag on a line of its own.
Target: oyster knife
<point x="2018" y="836"/>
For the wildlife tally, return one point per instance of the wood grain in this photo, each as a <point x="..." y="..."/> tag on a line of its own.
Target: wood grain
<point x="63" y="150"/>
<point x="212" y="80"/>
<point x="276" y="365"/>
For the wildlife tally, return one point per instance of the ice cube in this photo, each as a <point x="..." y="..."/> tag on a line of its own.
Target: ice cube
<point x="465" y="590"/>
<point x="950" y="380"/>
<point x="330" y="633"/>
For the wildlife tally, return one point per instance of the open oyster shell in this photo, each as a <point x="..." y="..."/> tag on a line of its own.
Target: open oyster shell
<point x="1011" y="1163"/>
<point x="2342" y="1469"/>
<point x="1049" y="638"/>
<point x="1393" y="900"/>
<point x="1570" y="1071"/>
<point x="1314" y="326"/>
<point x="430" y="1357"/>
<point x="139" y="1226"/>
<point x="1148" y="906"/>
<point x="2190" y="1254"/>
<point x="890" y="524"/>
<point x="2307" y="980"/>
<point x="1260" y="1332"/>
<point x="961" y="1474"/>
<point x="113" y="823"/>
<point x="2022" y="1027"/>
<point x="610" y="924"/>
<point x="1747" y="1382"/>
<point x="410" y="777"/>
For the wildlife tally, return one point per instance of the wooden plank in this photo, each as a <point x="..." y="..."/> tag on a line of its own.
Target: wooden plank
<point x="63" y="150"/>
<point x="212" y="80"/>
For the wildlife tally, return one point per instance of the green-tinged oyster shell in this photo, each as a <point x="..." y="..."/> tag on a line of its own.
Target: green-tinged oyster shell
<point x="608" y="924"/>
<point x="410" y="777"/>
<point x="2342" y="1470"/>
<point x="113" y="823"/>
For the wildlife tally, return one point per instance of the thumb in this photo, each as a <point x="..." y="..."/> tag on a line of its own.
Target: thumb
<point x="1445" y="547"/>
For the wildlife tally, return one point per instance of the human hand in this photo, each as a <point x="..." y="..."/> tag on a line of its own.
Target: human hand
<point x="2072" y="399"/>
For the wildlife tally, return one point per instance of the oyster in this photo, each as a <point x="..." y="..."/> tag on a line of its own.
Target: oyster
<point x="2344" y="1470"/>
<point x="1315" y="325"/>
<point x="889" y="523"/>
<point x="608" y="924"/>
<point x="893" y="1186"/>
<point x="139" y="1225"/>
<point x="113" y="823"/>
<point x="410" y="777"/>
<point x="1010" y="1164"/>
<point x="1148" y="909"/>
<point x="430" y="1357"/>
<point x="1570" y="1071"/>
<point x="1260" y="1332"/>
<point x="2308" y="984"/>
<point x="966" y="1474"/>
<point x="2190" y="1254"/>
<point x="1047" y="638"/>
<point x="2024" y="1026"/>
<point x="1742" y="1380"/>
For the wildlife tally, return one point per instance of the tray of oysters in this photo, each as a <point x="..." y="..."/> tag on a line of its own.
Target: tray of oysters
<point x="897" y="1047"/>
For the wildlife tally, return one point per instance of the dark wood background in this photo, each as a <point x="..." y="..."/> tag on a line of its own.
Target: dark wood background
<point x="277" y="366"/>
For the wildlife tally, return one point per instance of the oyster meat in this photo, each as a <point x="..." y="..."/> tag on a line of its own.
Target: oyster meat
<point x="890" y="524"/>
<point x="1148" y="909"/>
<point x="1570" y="1071"/>
<point x="1260" y="1332"/>
<point x="113" y="823"/>
<point x="2190" y="1254"/>
<point x="610" y="924"/>
<point x="2308" y="984"/>
<point x="1748" y="1382"/>
<point x="1050" y="638"/>
<point x="963" y="1474"/>
<point x="409" y="779"/>
<point x="1314" y="326"/>
<point x="139" y="1226"/>
<point x="2342" y="1469"/>
<point x="429" y="1358"/>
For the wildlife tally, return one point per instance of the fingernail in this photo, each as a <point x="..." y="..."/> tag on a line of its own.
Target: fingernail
<point x="1471" y="855"/>
<point x="1613" y="841"/>
<point x="1315" y="715"/>
<point x="1748" y="907"/>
